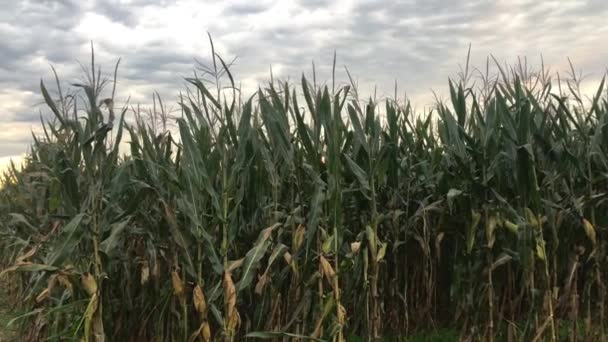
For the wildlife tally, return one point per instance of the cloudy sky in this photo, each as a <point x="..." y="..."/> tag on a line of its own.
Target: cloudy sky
<point x="419" y="44"/>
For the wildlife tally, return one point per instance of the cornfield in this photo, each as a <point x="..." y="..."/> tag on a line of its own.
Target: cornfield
<point x="305" y="212"/>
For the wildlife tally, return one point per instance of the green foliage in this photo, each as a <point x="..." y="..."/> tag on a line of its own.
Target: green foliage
<point x="304" y="213"/>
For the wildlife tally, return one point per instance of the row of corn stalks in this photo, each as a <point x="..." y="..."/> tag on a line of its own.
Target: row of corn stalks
<point x="305" y="212"/>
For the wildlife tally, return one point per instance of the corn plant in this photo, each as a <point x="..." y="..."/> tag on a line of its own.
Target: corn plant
<point x="305" y="212"/>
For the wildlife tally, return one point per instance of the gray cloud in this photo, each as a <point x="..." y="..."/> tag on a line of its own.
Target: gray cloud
<point x="127" y="13"/>
<point x="314" y="4"/>
<point x="419" y="44"/>
<point x="245" y="8"/>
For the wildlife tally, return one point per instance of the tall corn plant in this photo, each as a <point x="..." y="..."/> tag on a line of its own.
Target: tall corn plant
<point x="305" y="213"/>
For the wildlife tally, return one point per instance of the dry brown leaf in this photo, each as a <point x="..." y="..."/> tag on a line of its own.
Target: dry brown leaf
<point x="43" y="295"/>
<point x="155" y="269"/>
<point x="65" y="282"/>
<point x="298" y="238"/>
<point x="198" y="297"/>
<point x="355" y="247"/>
<point x="235" y="264"/>
<point x="89" y="283"/>
<point x="590" y="231"/>
<point x="93" y="324"/>
<point x="328" y="271"/>
<point x="287" y="257"/>
<point x="490" y="230"/>
<point x="203" y="332"/>
<point x="27" y="255"/>
<point x="178" y="285"/>
<point x="232" y="315"/>
<point x="229" y="292"/>
<point x="145" y="273"/>
<point x="206" y="331"/>
<point x="261" y="284"/>
<point x="341" y="315"/>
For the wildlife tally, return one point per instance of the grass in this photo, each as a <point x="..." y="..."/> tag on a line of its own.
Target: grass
<point x="6" y="333"/>
<point x="306" y="212"/>
<point x="441" y="335"/>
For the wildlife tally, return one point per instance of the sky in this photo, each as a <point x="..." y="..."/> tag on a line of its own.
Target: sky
<point x="418" y="44"/>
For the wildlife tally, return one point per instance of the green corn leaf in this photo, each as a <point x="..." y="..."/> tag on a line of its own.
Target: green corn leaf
<point x="253" y="257"/>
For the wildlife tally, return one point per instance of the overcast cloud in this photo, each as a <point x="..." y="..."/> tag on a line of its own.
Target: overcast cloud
<point x="417" y="43"/>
